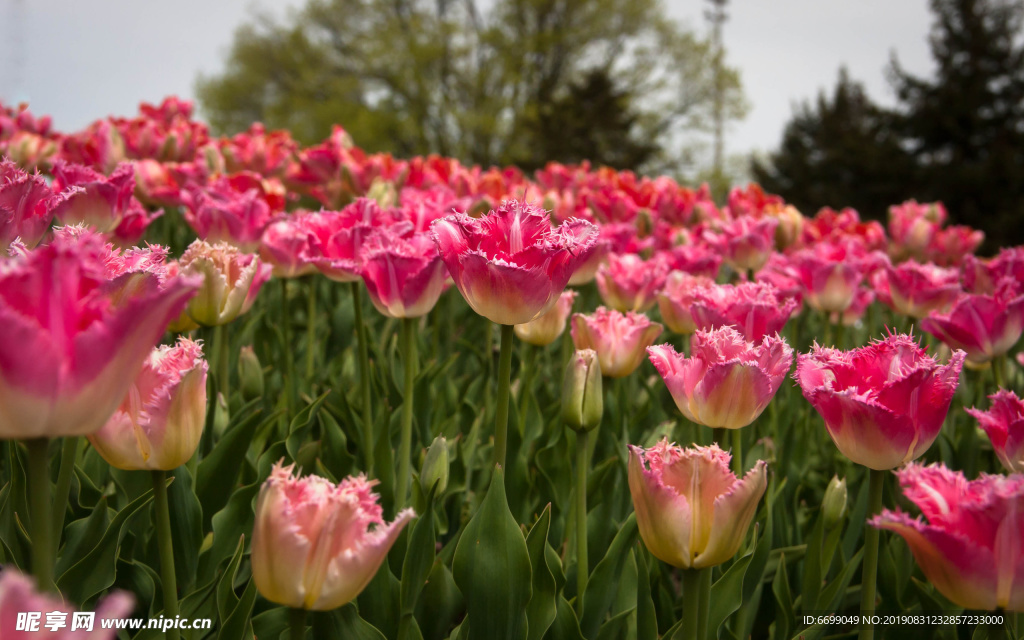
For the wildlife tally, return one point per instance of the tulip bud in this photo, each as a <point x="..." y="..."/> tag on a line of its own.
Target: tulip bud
<point x="250" y="372"/>
<point x="221" y="415"/>
<point x="834" y="504"/>
<point x="582" y="402"/>
<point x="435" y="466"/>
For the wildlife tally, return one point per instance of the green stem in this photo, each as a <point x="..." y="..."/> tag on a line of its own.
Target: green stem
<point x="704" y="606"/>
<point x="68" y="454"/>
<point x="737" y="452"/>
<point x="694" y="605"/>
<point x="405" y="444"/>
<point x="999" y="371"/>
<point x="311" y="326"/>
<point x="42" y="512"/>
<point x="289" y="355"/>
<point x="718" y="436"/>
<point x="840" y="333"/>
<point x="162" y="518"/>
<point x="526" y="377"/>
<point x="582" y="562"/>
<point x="364" y="379"/>
<point x="221" y="346"/>
<point x="504" y="382"/>
<point x="870" y="572"/>
<point x="297" y="623"/>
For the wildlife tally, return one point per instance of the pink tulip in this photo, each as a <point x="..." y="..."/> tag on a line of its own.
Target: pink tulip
<point x="983" y="276"/>
<point x="883" y="403"/>
<point x="221" y="212"/>
<point x="511" y="265"/>
<point x="19" y="597"/>
<point x="79" y="320"/>
<point x="969" y="546"/>
<point x="547" y="328"/>
<point x="404" y="274"/>
<point x="98" y="201"/>
<point x="587" y="270"/>
<point x="985" y="326"/>
<point x="316" y="545"/>
<point x="336" y="237"/>
<point x="676" y="298"/>
<point x="133" y="225"/>
<point x="695" y="259"/>
<point x="629" y="283"/>
<point x="160" y="421"/>
<point x="952" y="245"/>
<point x="728" y="381"/>
<point x="913" y="227"/>
<point x="1004" y="425"/>
<point x="156" y="184"/>
<point x="285" y="245"/>
<point x="829" y="274"/>
<point x="915" y="289"/>
<point x="692" y="512"/>
<point x="619" y="339"/>
<point x="781" y="273"/>
<point x="231" y="280"/>
<point x="26" y="206"/>
<point x="754" y="309"/>
<point x="745" y="243"/>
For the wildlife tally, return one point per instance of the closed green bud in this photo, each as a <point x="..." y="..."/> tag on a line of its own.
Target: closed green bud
<point x="834" y="504"/>
<point x="250" y="372"/>
<point x="582" y="400"/>
<point x="435" y="467"/>
<point x="221" y="415"/>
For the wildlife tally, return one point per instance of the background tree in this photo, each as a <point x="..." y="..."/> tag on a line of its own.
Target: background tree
<point x="448" y="76"/>
<point x="965" y="126"/>
<point x="842" y="151"/>
<point x="957" y="137"/>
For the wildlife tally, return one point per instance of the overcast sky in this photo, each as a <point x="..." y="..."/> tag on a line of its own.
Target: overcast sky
<point x="79" y="60"/>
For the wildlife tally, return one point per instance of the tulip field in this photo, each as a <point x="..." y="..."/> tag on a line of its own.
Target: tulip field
<point x="255" y="389"/>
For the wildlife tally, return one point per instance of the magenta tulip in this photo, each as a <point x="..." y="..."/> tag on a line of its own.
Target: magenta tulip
<point x="985" y="326"/>
<point x="629" y="283"/>
<point x="618" y="338"/>
<point x="884" y="403"/>
<point x="755" y="309"/>
<point x="404" y="274"/>
<point x="19" y="599"/>
<point x="1004" y="425"/>
<point x="511" y="265"/>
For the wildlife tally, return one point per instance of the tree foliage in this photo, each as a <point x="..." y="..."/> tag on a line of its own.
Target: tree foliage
<point x="957" y="137"/>
<point x="449" y="77"/>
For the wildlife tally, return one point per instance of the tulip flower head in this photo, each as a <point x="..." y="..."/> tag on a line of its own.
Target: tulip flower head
<point x="916" y="289"/>
<point x="231" y="280"/>
<point x="316" y="545"/>
<point x="676" y="299"/>
<point x="630" y="283"/>
<point x="968" y="545"/>
<point x="618" y="338"/>
<point x="160" y="421"/>
<point x="26" y="206"/>
<point x="728" y="381"/>
<point x="829" y="275"/>
<point x="983" y="276"/>
<point x="1004" y="425"/>
<point x="691" y="510"/>
<point x="337" y="237"/>
<point x="511" y="265"/>
<point x="404" y="274"/>
<point x="285" y="246"/>
<point x="79" y="320"/>
<point x="222" y="212"/>
<point x="883" y="403"/>
<point x="746" y="243"/>
<point x="98" y="201"/>
<point x="18" y="595"/>
<point x="755" y="309"/>
<point x="985" y="326"/>
<point x="548" y="327"/>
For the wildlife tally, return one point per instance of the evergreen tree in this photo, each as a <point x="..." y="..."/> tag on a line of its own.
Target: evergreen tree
<point x="839" y="152"/>
<point x="965" y="126"/>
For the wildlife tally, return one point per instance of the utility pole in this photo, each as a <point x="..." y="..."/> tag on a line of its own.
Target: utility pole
<point x="717" y="16"/>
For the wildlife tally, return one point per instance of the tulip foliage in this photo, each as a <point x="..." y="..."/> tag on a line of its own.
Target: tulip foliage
<point x="319" y="393"/>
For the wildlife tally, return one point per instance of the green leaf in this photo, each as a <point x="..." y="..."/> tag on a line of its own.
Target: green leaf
<point x="96" y="570"/>
<point x="603" y="583"/>
<point x="238" y="625"/>
<point x="301" y="426"/>
<point x="646" y="616"/>
<point x="271" y="623"/>
<point x="229" y="524"/>
<point x="492" y="569"/>
<point x="343" y="622"/>
<point x="727" y="594"/>
<point x="83" y="535"/>
<point x="543" y="605"/>
<point x="226" y="598"/>
<point x="380" y="600"/>
<point x="785" y="618"/>
<point x="419" y="557"/>
<point x="565" y="626"/>
<point x="616" y="627"/>
<point x="440" y="604"/>
<point x="186" y="526"/>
